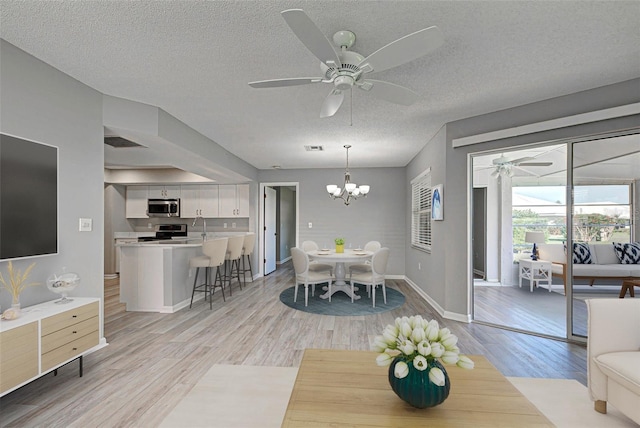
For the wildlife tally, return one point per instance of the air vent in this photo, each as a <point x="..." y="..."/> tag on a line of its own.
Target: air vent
<point x="119" y="142"/>
<point x="314" y="148"/>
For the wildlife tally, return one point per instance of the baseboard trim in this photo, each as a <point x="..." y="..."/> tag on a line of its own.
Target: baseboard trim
<point x="465" y="318"/>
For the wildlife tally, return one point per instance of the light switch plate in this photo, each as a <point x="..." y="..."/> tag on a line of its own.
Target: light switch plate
<point x="85" y="225"/>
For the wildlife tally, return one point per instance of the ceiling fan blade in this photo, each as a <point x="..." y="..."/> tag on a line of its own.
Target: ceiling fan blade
<point x="535" y="164"/>
<point x="311" y="36"/>
<point x="332" y="103"/>
<point x="526" y="171"/>
<point x="519" y="160"/>
<point x="277" y="83"/>
<point x="405" y="49"/>
<point x="391" y="92"/>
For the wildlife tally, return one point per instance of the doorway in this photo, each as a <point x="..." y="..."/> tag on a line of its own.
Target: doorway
<point x="278" y="223"/>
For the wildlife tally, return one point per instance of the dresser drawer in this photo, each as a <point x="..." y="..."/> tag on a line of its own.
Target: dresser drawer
<point x="69" y="350"/>
<point x="69" y="318"/>
<point x="18" y="355"/>
<point x="68" y="334"/>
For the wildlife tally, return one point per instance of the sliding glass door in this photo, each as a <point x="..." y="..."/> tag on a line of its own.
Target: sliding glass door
<point x="524" y="194"/>
<point x="605" y="181"/>
<point x="529" y="197"/>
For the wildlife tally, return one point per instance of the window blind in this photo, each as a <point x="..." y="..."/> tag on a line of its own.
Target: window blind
<point x="421" y="211"/>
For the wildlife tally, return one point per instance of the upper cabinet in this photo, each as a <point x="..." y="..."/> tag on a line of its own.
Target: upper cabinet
<point x="136" y="202"/>
<point x="199" y="201"/>
<point x="164" y="192"/>
<point x="233" y="200"/>
<point x="196" y="200"/>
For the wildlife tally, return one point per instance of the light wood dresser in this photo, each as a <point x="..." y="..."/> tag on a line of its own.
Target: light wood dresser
<point x="45" y="337"/>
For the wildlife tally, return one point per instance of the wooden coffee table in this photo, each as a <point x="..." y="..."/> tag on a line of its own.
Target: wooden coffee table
<point x="628" y="284"/>
<point x="347" y="388"/>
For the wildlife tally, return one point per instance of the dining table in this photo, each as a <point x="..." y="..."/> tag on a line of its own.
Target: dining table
<point x="348" y="256"/>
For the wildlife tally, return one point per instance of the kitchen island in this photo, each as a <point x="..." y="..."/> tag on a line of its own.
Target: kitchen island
<point x="155" y="275"/>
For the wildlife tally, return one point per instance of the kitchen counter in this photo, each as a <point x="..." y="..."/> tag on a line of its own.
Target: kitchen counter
<point x="155" y="276"/>
<point x="164" y="243"/>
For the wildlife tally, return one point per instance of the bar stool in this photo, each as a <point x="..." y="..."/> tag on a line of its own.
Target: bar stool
<point x="232" y="260"/>
<point x="214" y="256"/>
<point x="247" y="251"/>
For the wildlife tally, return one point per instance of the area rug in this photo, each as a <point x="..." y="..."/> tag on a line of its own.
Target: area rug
<point x="249" y="396"/>
<point x="340" y="304"/>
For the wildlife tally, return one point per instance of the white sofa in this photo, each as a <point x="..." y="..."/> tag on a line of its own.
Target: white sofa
<point x="613" y="355"/>
<point x="605" y="263"/>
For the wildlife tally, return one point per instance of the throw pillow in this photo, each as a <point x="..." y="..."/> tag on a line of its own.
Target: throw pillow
<point x="628" y="253"/>
<point x="582" y="254"/>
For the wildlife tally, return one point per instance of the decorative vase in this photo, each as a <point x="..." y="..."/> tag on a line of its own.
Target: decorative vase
<point x="13" y="312"/>
<point x="416" y="388"/>
<point x="339" y="248"/>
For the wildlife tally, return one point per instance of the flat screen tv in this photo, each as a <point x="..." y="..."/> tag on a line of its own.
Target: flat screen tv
<point x="28" y="198"/>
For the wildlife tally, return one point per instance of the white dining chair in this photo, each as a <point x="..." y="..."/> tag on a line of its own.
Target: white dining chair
<point x="372" y="246"/>
<point x="375" y="277"/>
<point x="214" y="252"/>
<point x="306" y="276"/>
<point x="314" y="265"/>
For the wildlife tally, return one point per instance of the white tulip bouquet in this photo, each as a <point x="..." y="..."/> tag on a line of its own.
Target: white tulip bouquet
<point x="420" y="342"/>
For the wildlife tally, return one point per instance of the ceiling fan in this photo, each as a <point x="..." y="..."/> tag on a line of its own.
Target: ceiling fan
<point x="505" y="166"/>
<point x="345" y="69"/>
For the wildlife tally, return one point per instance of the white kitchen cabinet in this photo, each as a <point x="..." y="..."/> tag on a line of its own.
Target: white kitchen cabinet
<point x="199" y="201"/>
<point x="136" y="202"/>
<point x="164" y="192"/>
<point x="233" y="200"/>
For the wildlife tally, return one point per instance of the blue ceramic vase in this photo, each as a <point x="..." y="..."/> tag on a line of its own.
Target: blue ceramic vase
<point x="416" y="388"/>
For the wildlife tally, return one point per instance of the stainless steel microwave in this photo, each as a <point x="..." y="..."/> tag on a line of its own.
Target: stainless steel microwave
<point x="163" y="208"/>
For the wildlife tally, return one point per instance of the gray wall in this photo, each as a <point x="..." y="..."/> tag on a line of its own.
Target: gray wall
<point x="42" y="104"/>
<point x="380" y="216"/>
<point x="430" y="276"/>
<point x="114" y="221"/>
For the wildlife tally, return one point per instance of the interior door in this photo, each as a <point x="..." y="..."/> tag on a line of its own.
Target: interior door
<point x="270" y="201"/>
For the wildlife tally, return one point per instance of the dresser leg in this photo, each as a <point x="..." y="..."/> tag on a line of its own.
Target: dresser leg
<point x="80" y="365"/>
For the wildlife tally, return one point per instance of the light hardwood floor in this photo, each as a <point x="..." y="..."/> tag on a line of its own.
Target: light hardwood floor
<point x="153" y="360"/>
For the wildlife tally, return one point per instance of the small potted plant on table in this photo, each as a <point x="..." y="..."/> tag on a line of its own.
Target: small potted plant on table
<point x="339" y="245"/>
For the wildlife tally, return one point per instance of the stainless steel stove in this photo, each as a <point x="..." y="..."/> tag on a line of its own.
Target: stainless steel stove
<point x="166" y="231"/>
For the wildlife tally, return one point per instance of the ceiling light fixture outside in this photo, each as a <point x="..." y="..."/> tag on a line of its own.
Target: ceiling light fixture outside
<point x="503" y="170"/>
<point x="350" y="190"/>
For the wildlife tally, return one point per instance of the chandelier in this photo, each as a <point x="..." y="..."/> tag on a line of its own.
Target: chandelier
<point x="350" y="190"/>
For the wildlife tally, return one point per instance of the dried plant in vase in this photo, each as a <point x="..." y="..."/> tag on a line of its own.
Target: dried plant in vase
<point x="17" y="284"/>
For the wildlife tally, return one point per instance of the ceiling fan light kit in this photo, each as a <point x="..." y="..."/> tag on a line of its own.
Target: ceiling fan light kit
<point x="349" y="190"/>
<point x="346" y="69"/>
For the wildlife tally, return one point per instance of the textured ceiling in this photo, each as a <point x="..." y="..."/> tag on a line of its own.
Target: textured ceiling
<point x="194" y="58"/>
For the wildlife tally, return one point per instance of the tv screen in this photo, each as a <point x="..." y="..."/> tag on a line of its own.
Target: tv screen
<point x="28" y="198"/>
